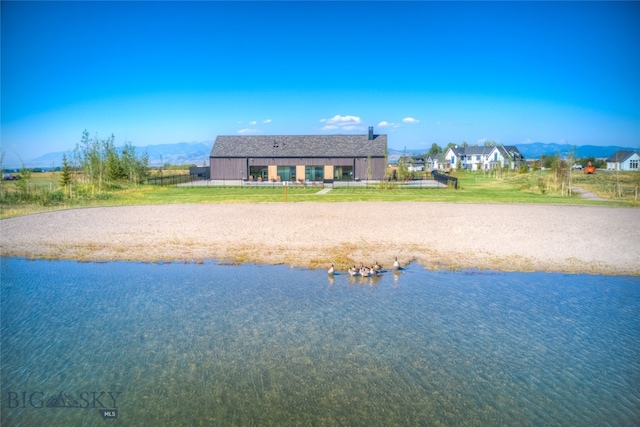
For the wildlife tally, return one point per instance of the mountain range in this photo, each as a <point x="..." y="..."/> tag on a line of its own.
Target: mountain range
<point x="197" y="153"/>
<point x="181" y="153"/>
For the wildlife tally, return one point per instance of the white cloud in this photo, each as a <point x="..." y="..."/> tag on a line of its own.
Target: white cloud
<point x="340" y="120"/>
<point x="410" y="120"/>
<point x="253" y="122"/>
<point x="343" y="123"/>
<point x="385" y="124"/>
<point x="248" y="131"/>
<point x="266" y="121"/>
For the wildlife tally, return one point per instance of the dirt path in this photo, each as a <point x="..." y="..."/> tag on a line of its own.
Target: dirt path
<point x="586" y="194"/>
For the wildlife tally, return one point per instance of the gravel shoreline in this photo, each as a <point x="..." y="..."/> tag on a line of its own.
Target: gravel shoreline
<point x="503" y="237"/>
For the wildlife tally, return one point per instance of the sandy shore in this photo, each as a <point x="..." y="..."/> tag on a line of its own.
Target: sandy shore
<point x="574" y="239"/>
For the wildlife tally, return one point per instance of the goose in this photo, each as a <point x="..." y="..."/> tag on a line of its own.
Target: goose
<point x="377" y="267"/>
<point x="364" y="271"/>
<point x="331" y="270"/>
<point x="353" y="271"/>
<point x="396" y="264"/>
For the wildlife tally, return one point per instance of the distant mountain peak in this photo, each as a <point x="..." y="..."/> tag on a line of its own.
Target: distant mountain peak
<point x="180" y="153"/>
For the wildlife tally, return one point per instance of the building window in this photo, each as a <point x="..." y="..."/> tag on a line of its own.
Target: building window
<point x="314" y="173"/>
<point x="258" y="172"/>
<point x="343" y="173"/>
<point x="287" y="173"/>
<point x="633" y="164"/>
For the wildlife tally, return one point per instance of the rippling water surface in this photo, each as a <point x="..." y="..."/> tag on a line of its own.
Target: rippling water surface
<point x="184" y="344"/>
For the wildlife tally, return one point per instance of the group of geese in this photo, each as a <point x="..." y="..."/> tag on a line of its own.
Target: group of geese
<point x="364" y="271"/>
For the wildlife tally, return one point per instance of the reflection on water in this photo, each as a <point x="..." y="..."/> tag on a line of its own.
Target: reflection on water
<point x="269" y="345"/>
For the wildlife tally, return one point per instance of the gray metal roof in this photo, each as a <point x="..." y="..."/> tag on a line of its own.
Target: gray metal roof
<point x="620" y="156"/>
<point x="300" y="146"/>
<point x="507" y="150"/>
<point x="471" y="150"/>
<point x="476" y="150"/>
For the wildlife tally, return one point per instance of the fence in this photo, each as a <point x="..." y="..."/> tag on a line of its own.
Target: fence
<point x="418" y="183"/>
<point x="169" y="179"/>
<point x="439" y="181"/>
<point x="445" y="179"/>
<point x="246" y="183"/>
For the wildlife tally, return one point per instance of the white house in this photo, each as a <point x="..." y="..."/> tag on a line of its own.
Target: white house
<point x="414" y="163"/>
<point x="485" y="157"/>
<point x="436" y="161"/>
<point x="623" y="160"/>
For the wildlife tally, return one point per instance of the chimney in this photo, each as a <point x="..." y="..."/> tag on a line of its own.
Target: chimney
<point x="370" y="133"/>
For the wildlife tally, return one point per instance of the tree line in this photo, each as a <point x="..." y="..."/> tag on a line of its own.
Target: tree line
<point x="101" y="165"/>
<point x="94" y="166"/>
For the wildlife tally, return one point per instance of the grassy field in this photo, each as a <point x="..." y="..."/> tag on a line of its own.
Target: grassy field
<point x="620" y="189"/>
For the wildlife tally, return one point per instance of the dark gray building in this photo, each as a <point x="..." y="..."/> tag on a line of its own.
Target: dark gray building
<point x="299" y="157"/>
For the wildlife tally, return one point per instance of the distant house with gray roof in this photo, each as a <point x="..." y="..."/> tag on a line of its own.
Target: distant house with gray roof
<point x="414" y="163"/>
<point x="297" y="158"/>
<point x="484" y="157"/>
<point x="624" y="160"/>
<point x="436" y="161"/>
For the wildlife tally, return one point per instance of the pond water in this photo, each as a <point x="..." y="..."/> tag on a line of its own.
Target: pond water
<point x="182" y="344"/>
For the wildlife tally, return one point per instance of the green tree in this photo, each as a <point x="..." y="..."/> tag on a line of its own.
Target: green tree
<point x="386" y="163"/>
<point x="115" y="169"/>
<point x="135" y="167"/>
<point x="585" y="161"/>
<point x="23" y="184"/>
<point x="435" y="149"/>
<point x="127" y="160"/>
<point x="403" y="167"/>
<point x="87" y="155"/>
<point x="142" y="166"/>
<point x="571" y="160"/>
<point x="65" y="175"/>
<point x="100" y="164"/>
<point x="547" y="161"/>
<point x="560" y="172"/>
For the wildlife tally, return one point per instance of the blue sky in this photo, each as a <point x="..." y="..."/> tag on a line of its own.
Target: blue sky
<point x="422" y="72"/>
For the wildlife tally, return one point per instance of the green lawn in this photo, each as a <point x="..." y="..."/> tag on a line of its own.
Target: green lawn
<point x="534" y="187"/>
